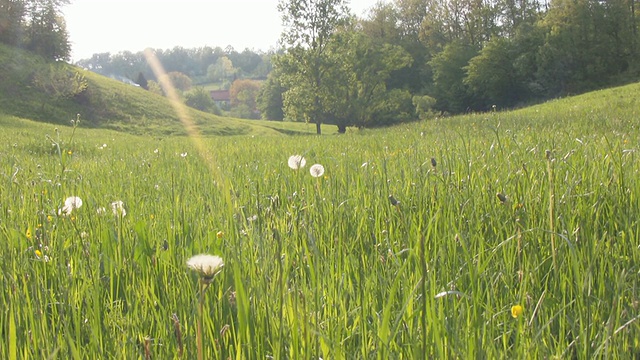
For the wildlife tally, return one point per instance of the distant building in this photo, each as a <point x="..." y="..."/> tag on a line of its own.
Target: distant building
<point x="220" y="97"/>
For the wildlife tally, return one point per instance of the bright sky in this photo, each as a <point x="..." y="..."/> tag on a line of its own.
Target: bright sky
<point x="98" y="26"/>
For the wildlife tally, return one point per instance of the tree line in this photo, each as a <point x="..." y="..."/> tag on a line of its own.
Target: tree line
<point x="37" y="26"/>
<point x="417" y="58"/>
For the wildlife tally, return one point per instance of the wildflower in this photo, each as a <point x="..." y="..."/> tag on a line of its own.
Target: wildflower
<point x="38" y="253"/>
<point x="184" y="154"/>
<point x="220" y="234"/>
<point x="117" y="207"/>
<point x="296" y="162"/>
<point x="206" y="265"/>
<point x="71" y="203"/>
<point x="316" y="170"/>
<point x="28" y="233"/>
<point x="101" y="210"/>
<point x="69" y="152"/>
<point x="516" y="310"/>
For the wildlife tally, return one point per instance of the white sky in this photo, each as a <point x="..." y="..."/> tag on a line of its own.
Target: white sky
<point x="97" y="26"/>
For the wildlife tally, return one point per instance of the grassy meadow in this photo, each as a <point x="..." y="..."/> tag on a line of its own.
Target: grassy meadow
<point x="505" y="235"/>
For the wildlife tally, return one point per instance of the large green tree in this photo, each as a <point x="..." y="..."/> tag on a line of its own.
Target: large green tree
<point x="360" y="95"/>
<point x="309" y="28"/>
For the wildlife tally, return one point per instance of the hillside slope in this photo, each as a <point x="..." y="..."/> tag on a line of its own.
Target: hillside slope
<point x="106" y="103"/>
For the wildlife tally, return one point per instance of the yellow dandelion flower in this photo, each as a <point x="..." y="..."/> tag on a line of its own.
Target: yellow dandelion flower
<point x="69" y="152"/>
<point x="516" y="310"/>
<point x="38" y="253"/>
<point x="28" y="233"/>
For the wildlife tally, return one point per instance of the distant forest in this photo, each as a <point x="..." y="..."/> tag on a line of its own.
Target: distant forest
<point x="403" y="60"/>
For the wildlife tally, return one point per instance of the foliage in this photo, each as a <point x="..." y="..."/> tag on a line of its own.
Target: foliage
<point x="179" y="80"/>
<point x="424" y="106"/>
<point x="36" y="25"/>
<point x="142" y="81"/>
<point x="492" y="73"/>
<point x="59" y="82"/>
<point x="222" y="69"/>
<point x="457" y="263"/>
<point x="269" y="100"/>
<point x="200" y="99"/>
<point x="309" y="26"/>
<point x="243" y="94"/>
<point x="359" y="95"/>
<point x="12" y="13"/>
<point x="448" y="77"/>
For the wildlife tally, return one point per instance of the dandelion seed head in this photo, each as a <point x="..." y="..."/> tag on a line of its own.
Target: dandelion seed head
<point x="71" y="203"/>
<point x="206" y="265"/>
<point x="117" y="207"/>
<point x="297" y="162"/>
<point x="316" y="170"/>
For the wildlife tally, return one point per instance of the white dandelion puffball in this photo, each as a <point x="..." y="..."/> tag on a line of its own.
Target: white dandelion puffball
<point x="297" y="162"/>
<point x="316" y="170"/>
<point x="206" y="265"/>
<point x="71" y="203"/>
<point x="117" y="207"/>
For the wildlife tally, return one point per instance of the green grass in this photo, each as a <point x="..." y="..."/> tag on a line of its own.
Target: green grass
<point x="328" y="267"/>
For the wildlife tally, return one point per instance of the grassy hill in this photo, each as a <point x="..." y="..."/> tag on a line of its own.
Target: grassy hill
<point x="110" y="104"/>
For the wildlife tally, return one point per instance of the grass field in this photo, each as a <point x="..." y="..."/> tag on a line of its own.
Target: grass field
<point x="504" y="235"/>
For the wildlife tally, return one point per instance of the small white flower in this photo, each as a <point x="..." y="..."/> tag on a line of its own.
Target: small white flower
<point x="316" y="170"/>
<point x="206" y="265"/>
<point x="117" y="207"/>
<point x="156" y="151"/>
<point x="297" y="162"/>
<point x="71" y="203"/>
<point x="184" y="154"/>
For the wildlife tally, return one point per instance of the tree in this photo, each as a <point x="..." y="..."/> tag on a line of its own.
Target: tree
<point x="310" y="25"/>
<point x="243" y="94"/>
<point x="359" y="93"/>
<point x="491" y="74"/>
<point x="222" y="70"/>
<point x="448" y="77"/>
<point x="59" y="82"/>
<point x="12" y="14"/>
<point x="180" y="81"/>
<point x="269" y="100"/>
<point x="46" y="30"/>
<point x="201" y="100"/>
<point x="142" y="81"/>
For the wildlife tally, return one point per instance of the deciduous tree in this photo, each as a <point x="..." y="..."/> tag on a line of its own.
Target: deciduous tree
<point x="309" y="27"/>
